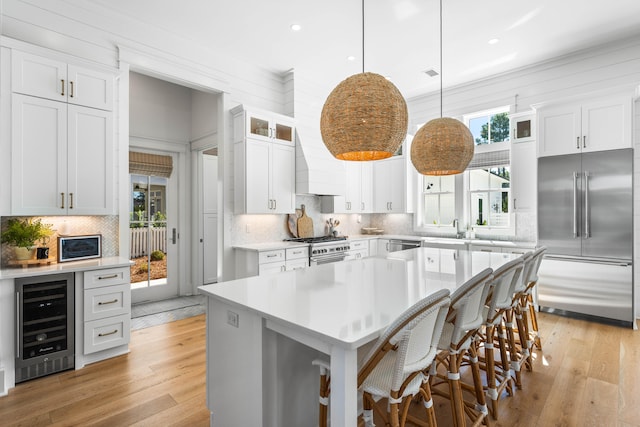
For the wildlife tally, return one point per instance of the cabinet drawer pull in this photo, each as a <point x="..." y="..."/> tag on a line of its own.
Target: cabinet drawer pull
<point x="271" y="256"/>
<point x="62" y="87"/>
<point x="111" y="276"/>
<point x="108" y="302"/>
<point x="296" y="252"/>
<point x="61" y="200"/>
<point x="71" y="94"/>
<point x="115" y="331"/>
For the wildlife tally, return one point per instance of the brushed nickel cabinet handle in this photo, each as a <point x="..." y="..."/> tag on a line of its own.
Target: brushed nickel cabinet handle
<point x="18" y="336"/>
<point x="62" y="87"/>
<point x="584" y="141"/>
<point x="61" y="200"/>
<point x="108" y="302"/>
<point x="578" y="142"/>
<point x="70" y="200"/>
<point x="71" y="94"/>
<point x="115" y="331"/>
<point x="111" y="276"/>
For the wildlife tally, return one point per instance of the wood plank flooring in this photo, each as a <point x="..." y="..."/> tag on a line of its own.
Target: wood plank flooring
<point x="587" y="375"/>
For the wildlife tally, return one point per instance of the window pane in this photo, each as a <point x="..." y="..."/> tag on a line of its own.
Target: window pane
<point x="447" y="208"/>
<point x="431" y="184"/>
<point x="499" y="216"/>
<point x="499" y="177"/>
<point x="479" y="208"/>
<point x="448" y="183"/>
<point x="479" y="127"/>
<point x="431" y="209"/>
<point x="499" y="127"/>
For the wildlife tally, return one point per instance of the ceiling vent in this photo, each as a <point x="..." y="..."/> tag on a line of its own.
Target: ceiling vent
<point x="431" y="72"/>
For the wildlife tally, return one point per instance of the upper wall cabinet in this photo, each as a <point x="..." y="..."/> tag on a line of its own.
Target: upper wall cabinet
<point x="394" y="182"/>
<point x="523" y="127"/>
<point x="264" y="162"/>
<point x="590" y="126"/>
<point x="62" y="137"/>
<point x="358" y="189"/>
<point x="61" y="158"/>
<point x="56" y="80"/>
<point x="269" y="127"/>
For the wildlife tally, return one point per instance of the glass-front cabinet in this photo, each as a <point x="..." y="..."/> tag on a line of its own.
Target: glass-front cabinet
<point x="269" y="127"/>
<point x="523" y="126"/>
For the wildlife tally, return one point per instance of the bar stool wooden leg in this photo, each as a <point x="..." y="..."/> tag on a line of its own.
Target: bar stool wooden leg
<point x="533" y="315"/>
<point x="513" y="348"/>
<point x="481" y="405"/>
<point x="455" y="389"/>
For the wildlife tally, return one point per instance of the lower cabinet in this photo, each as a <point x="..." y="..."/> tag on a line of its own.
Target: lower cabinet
<point x="107" y="309"/>
<point x="358" y="249"/>
<point x="251" y="262"/>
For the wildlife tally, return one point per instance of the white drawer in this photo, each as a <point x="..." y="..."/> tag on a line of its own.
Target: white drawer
<point x="358" y="244"/>
<point x="297" y="264"/>
<point x="107" y="301"/>
<point x="106" y="277"/>
<point x="102" y="334"/>
<point x="271" y="256"/>
<point x="297" y="253"/>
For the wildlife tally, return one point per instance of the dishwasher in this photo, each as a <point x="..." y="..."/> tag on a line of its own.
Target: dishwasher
<point x="396" y="245"/>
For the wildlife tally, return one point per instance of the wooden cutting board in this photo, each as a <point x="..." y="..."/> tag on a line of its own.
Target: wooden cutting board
<point x="305" y="224"/>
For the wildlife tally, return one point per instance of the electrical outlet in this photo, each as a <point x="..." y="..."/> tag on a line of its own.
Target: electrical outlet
<point x="233" y="318"/>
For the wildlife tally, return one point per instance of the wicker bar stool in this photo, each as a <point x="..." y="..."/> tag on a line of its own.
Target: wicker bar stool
<point x="397" y="366"/>
<point x="498" y="376"/>
<point x="458" y="341"/>
<point x="527" y="303"/>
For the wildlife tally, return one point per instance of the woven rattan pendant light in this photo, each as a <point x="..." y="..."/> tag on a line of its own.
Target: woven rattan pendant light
<point x="443" y="146"/>
<point x="365" y="117"/>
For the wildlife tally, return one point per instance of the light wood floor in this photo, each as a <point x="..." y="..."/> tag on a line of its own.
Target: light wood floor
<point x="588" y="375"/>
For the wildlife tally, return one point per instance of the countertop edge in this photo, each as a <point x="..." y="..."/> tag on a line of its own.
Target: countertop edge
<point x="66" y="267"/>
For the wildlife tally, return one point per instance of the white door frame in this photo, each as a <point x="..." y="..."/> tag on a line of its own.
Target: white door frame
<point x="179" y="199"/>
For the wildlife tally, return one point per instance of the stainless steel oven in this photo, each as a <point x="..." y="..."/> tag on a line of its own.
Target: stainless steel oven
<point x="326" y="249"/>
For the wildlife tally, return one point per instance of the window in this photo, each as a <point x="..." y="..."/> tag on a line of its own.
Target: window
<point x="438" y="197"/>
<point x="490" y="126"/>
<point x="489" y="191"/>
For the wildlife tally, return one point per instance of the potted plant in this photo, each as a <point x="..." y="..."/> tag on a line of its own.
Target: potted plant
<point x="23" y="234"/>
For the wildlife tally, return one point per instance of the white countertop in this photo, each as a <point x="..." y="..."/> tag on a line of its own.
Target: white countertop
<point x="270" y="246"/>
<point x="349" y="303"/>
<point x="65" y="267"/>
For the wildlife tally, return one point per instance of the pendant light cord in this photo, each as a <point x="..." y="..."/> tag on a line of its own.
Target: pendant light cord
<point x="440" y="58"/>
<point x="363" y="36"/>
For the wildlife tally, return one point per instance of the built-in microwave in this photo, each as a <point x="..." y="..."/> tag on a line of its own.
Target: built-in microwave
<point x="74" y="248"/>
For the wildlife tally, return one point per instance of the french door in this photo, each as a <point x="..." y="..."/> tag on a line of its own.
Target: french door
<point x="153" y="237"/>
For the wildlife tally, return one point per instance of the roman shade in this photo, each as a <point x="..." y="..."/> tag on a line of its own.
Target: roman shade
<point x="489" y="159"/>
<point x="150" y="164"/>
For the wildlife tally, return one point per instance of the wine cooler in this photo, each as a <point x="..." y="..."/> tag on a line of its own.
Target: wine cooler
<point x="45" y="325"/>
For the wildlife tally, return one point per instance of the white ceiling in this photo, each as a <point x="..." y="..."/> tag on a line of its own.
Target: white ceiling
<point x="401" y="36"/>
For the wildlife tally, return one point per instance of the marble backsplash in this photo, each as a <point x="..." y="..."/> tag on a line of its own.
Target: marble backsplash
<point x="107" y="226"/>
<point x="247" y="229"/>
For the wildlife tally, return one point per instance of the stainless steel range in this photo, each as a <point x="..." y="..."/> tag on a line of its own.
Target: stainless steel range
<point x="325" y="249"/>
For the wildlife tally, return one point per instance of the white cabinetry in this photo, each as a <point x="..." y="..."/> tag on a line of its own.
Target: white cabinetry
<point x="61" y="158"/>
<point x="358" y="249"/>
<point x="264" y="165"/>
<point x="524" y="172"/>
<point x="256" y="262"/>
<point x="52" y="79"/>
<point x="523" y="127"/>
<point x="107" y="309"/>
<point x="394" y="182"/>
<point x="358" y="188"/>
<point x="62" y="137"/>
<point x="591" y="126"/>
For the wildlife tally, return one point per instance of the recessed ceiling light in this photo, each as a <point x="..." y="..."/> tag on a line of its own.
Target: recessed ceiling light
<point x="296" y="27"/>
<point x="351" y="58"/>
<point x="494" y="41"/>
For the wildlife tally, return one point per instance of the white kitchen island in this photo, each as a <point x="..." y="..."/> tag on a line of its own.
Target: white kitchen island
<point x="263" y="331"/>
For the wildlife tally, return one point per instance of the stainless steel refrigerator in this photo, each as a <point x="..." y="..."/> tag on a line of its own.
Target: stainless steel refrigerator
<point x="585" y="218"/>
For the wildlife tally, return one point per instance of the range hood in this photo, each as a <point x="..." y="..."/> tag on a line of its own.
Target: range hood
<point x="317" y="171"/>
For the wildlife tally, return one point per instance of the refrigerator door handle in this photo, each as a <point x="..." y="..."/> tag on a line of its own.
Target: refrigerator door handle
<point x="587" y="219"/>
<point x="575" y="204"/>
